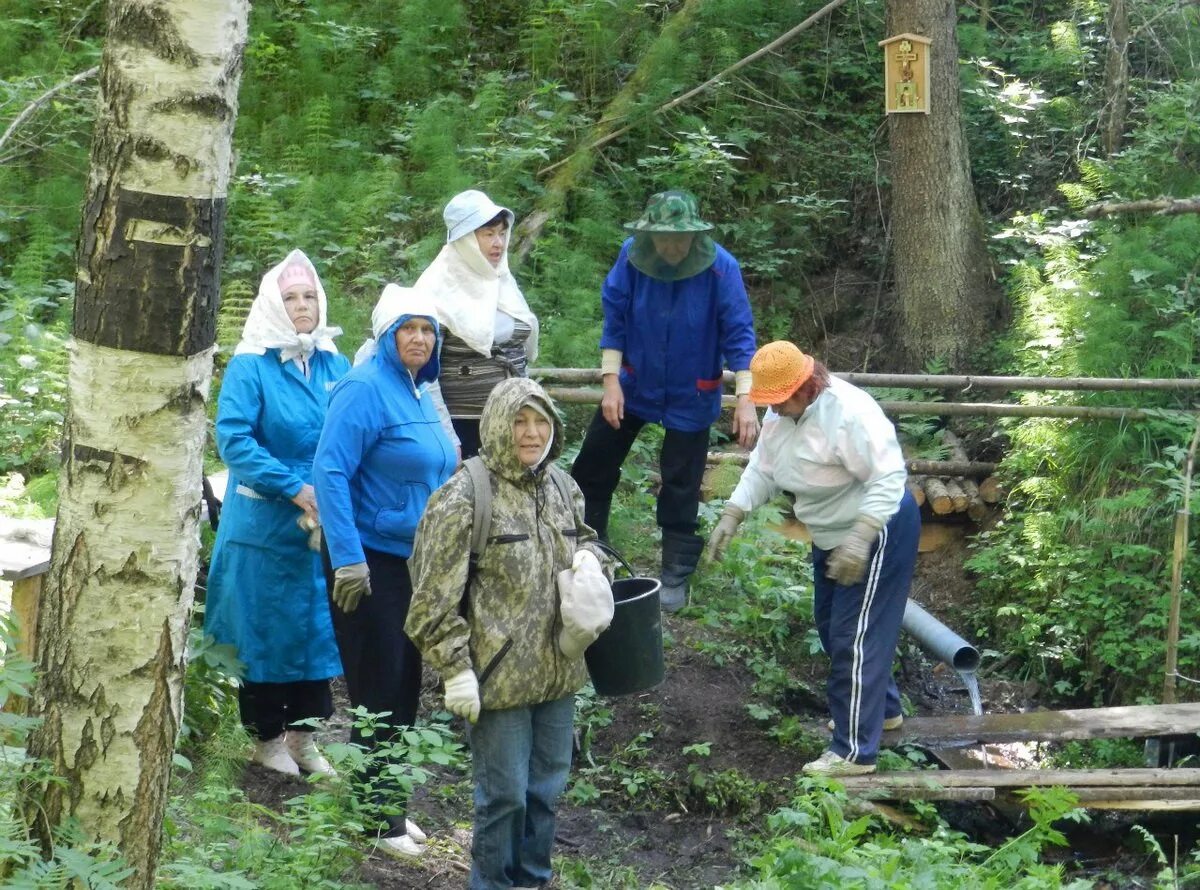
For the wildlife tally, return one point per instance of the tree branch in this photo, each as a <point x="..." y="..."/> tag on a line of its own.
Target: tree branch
<point x="1158" y="206"/>
<point x="715" y="79"/>
<point x="41" y="100"/>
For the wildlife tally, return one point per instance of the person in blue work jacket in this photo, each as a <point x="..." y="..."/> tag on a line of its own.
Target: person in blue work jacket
<point x="829" y="445"/>
<point x="266" y="592"/>
<point x="675" y="314"/>
<point x="382" y="453"/>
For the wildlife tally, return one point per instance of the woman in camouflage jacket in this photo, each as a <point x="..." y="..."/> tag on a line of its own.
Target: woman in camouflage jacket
<point x="498" y="651"/>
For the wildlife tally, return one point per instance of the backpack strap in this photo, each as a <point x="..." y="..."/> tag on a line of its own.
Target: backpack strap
<point x="481" y="495"/>
<point x="564" y="490"/>
<point x="481" y="522"/>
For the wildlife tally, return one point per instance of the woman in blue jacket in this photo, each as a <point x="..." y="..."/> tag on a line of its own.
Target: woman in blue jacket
<point x="382" y="453"/>
<point x="266" y="592"/>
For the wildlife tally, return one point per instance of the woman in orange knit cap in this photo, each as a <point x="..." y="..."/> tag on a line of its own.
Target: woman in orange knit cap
<point x="828" y="444"/>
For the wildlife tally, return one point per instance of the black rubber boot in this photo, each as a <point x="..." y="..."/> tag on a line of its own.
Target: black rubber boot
<point x="595" y="516"/>
<point x="680" y="553"/>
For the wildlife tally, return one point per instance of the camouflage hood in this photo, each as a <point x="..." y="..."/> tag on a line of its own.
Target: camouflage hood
<point x="497" y="447"/>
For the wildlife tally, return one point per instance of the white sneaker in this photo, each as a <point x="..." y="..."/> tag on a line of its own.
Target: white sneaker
<point x="414" y="832"/>
<point x="274" y="756"/>
<point x="403" y="847"/>
<point x="835" y="766"/>
<point x="307" y="757"/>
<point x="889" y="723"/>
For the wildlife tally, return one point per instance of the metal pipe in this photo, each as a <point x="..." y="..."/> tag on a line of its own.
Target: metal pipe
<point x="939" y="639"/>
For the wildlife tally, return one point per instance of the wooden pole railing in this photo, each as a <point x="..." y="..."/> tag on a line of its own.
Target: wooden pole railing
<point x="940" y="381"/>
<point x="585" y="396"/>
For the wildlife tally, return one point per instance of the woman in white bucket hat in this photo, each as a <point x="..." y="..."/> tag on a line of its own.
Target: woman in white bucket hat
<point x="490" y="332"/>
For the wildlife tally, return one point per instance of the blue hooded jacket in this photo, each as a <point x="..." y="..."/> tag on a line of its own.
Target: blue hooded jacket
<point x="382" y="453"/>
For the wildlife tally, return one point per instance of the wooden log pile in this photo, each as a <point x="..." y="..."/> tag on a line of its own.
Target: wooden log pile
<point x="961" y="493"/>
<point x="943" y="487"/>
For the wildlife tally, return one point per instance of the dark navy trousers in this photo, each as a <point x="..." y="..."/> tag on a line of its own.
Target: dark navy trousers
<point x="859" y="625"/>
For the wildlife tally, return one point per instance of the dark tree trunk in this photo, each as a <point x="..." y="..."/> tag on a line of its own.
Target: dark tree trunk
<point x="944" y="283"/>
<point x="1116" y="78"/>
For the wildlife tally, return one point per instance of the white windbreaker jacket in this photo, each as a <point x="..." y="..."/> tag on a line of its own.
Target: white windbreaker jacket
<point x="839" y="459"/>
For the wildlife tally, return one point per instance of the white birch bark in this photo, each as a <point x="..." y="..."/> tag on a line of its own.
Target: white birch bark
<point x="113" y="626"/>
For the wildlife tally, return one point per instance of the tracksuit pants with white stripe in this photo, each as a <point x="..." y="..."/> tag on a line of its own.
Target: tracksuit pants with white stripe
<point x="859" y="625"/>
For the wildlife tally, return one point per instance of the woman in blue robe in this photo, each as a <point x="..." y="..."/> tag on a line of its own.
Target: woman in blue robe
<point x="266" y="589"/>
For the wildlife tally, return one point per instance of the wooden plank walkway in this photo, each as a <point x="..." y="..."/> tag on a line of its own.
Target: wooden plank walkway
<point x="959" y="730"/>
<point x="1136" y="789"/>
<point x="1124" y="789"/>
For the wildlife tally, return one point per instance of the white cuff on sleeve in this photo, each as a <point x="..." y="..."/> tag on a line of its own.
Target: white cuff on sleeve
<point x="610" y="361"/>
<point x="742" y="380"/>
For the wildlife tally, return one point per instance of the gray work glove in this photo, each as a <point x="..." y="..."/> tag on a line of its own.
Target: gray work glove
<point x="726" y="528"/>
<point x="462" y="695"/>
<point x="350" y="584"/>
<point x="848" y="562"/>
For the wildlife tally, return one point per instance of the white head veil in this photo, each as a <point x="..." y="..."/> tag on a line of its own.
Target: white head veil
<point x="394" y="302"/>
<point x="268" y="326"/>
<point x="465" y="287"/>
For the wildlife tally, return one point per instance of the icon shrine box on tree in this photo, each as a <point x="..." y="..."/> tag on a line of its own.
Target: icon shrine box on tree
<point x="906" y="73"/>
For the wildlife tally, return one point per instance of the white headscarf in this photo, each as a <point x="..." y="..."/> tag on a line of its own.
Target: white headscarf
<point x="268" y="326"/>
<point x="466" y="288"/>
<point x="394" y="302"/>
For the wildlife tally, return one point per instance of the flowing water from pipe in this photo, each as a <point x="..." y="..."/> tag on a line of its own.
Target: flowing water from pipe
<point x="971" y="681"/>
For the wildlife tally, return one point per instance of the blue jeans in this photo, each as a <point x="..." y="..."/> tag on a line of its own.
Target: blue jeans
<point x="521" y="759"/>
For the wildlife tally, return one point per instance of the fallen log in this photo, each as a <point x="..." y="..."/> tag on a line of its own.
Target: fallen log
<point x="976" y="508"/>
<point x="937" y="497"/>
<point x="990" y="491"/>
<point x="577" y="166"/>
<point x="914" y="486"/>
<point x="1157" y="206"/>
<point x="958" y="497"/>
<point x="916" y="467"/>
<point x="951" y="441"/>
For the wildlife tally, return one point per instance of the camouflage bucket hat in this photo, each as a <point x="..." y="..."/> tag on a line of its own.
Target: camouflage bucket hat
<point x="673" y="211"/>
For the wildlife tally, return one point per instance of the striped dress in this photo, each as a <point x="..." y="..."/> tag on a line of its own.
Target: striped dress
<point x="467" y="377"/>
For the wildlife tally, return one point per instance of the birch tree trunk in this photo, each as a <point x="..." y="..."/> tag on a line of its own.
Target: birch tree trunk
<point x="113" y="623"/>
<point x="943" y="275"/>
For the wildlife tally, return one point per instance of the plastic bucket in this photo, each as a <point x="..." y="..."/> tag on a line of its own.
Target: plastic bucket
<point x="628" y="656"/>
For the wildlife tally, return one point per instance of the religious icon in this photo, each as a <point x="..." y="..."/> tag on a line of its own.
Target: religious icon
<point x="906" y="73"/>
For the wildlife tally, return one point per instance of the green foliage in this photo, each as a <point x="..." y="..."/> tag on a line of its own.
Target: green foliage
<point x="70" y="859"/>
<point x="1079" y="565"/>
<point x="218" y="839"/>
<point x="813" y="843"/>
<point x="1097" y="754"/>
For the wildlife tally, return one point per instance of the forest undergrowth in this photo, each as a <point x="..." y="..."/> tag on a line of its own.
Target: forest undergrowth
<point x="359" y="118"/>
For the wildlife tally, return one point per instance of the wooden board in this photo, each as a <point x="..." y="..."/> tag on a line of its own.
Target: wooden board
<point x="24" y="547"/>
<point x="1086" y="723"/>
<point x="1027" y="778"/>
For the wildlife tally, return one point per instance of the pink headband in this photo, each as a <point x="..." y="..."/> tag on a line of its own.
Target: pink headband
<point x="296" y="273"/>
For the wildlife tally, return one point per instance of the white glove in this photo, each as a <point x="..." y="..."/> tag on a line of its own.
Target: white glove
<point x="350" y="584"/>
<point x="462" y="695"/>
<point x="312" y="525"/>
<point x="726" y="528"/>
<point x="848" y="562"/>
<point x="586" y="602"/>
